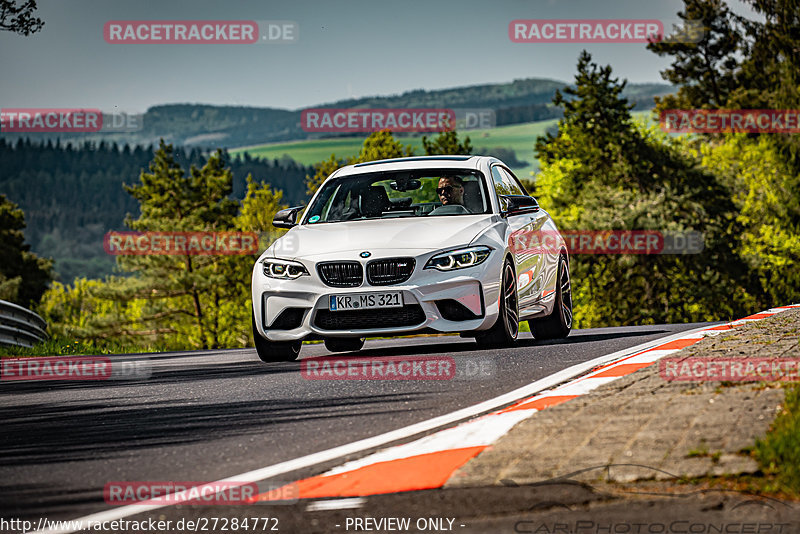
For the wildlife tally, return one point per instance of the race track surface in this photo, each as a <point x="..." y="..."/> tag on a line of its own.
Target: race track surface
<point x="208" y="415"/>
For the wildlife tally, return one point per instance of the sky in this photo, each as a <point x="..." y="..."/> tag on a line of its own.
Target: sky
<point x="345" y="48"/>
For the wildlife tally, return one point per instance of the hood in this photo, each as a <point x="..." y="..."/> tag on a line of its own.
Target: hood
<point x="421" y="234"/>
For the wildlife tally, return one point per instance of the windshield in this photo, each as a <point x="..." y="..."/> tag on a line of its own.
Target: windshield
<point x="428" y="193"/>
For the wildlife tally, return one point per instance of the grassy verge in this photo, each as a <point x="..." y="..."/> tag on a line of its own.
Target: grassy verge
<point x="65" y="347"/>
<point x="779" y="452"/>
<point x="778" y="455"/>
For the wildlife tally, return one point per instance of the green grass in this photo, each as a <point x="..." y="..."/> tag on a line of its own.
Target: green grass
<point x="65" y="347"/>
<point x="779" y="451"/>
<point x="314" y="151"/>
<point x="518" y="137"/>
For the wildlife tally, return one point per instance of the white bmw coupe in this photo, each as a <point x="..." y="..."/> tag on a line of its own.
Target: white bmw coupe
<point x="411" y="245"/>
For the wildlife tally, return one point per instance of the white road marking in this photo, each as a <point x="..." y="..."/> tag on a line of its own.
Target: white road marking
<point x="407" y="432"/>
<point x="336" y="504"/>
<point x="477" y="433"/>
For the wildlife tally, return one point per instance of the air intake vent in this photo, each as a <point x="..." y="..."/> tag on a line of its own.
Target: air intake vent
<point x="409" y="315"/>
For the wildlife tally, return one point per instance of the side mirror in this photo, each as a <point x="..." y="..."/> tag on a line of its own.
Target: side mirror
<point x="516" y="204"/>
<point x="286" y="218"/>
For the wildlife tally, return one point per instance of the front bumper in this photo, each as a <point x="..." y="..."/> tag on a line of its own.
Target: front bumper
<point x="288" y="310"/>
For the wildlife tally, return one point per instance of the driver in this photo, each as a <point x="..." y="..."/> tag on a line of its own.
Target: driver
<point x="451" y="190"/>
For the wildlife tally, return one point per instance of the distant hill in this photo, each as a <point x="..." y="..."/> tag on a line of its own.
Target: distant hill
<point x="206" y="126"/>
<point x="73" y="195"/>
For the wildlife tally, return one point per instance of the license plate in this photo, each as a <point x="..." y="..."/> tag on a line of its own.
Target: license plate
<point x="366" y="301"/>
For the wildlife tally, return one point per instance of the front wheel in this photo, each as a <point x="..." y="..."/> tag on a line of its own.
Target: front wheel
<point x="275" y="351"/>
<point x="505" y="330"/>
<point x="558" y="324"/>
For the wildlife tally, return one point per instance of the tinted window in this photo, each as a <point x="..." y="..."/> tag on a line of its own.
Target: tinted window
<point x="399" y="194"/>
<point x="504" y="183"/>
<point x="512" y="182"/>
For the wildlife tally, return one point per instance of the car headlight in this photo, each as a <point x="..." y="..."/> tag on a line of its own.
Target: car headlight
<point x="284" y="269"/>
<point x="459" y="259"/>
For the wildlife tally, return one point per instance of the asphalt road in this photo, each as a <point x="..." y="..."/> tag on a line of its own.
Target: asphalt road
<point x="208" y="415"/>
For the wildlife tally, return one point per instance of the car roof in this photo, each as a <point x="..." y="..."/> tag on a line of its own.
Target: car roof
<point x="416" y="162"/>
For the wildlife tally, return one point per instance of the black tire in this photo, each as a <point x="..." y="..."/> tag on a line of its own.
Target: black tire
<point x="344" y="344"/>
<point x="505" y="330"/>
<point x="558" y="324"/>
<point x="274" y="351"/>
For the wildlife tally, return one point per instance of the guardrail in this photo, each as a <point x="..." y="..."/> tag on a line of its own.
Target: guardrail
<point x="19" y="326"/>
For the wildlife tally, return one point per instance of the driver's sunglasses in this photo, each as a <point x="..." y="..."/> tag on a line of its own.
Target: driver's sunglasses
<point x="446" y="189"/>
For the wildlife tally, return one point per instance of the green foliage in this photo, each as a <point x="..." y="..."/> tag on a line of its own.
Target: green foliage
<point x="323" y="170"/>
<point x="23" y="275"/>
<point x="749" y="64"/>
<point x="705" y="70"/>
<point x="259" y="206"/>
<point x="446" y="143"/>
<point x="173" y="301"/>
<point x="199" y="125"/>
<point x="767" y="199"/>
<point x="779" y="451"/>
<point x="769" y="74"/>
<point x="740" y="63"/>
<point x="604" y="172"/>
<point x="72" y="196"/>
<point x="68" y="347"/>
<point x="378" y="145"/>
<point x="383" y="145"/>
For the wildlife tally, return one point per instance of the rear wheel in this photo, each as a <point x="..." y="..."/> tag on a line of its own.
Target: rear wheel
<point x="558" y="324"/>
<point x="344" y="344"/>
<point x="275" y="351"/>
<point x="505" y="330"/>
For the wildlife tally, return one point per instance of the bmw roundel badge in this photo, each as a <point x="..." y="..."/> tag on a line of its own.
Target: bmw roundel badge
<point x="365" y="254"/>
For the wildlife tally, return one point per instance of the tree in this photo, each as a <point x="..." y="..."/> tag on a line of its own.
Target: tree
<point x="259" y="206"/>
<point x="705" y="70"/>
<point x="181" y="296"/>
<point x="446" y="143"/>
<point x="768" y="75"/>
<point x="378" y="145"/>
<point x="762" y="171"/>
<point x="596" y="111"/>
<point x="24" y="277"/>
<point x="603" y="172"/>
<point x="19" y="19"/>
<point x="173" y="302"/>
<point x="767" y="199"/>
<point x="383" y="145"/>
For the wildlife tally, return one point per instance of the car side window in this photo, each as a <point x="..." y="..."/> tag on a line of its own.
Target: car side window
<point x="511" y="182"/>
<point x="501" y="185"/>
